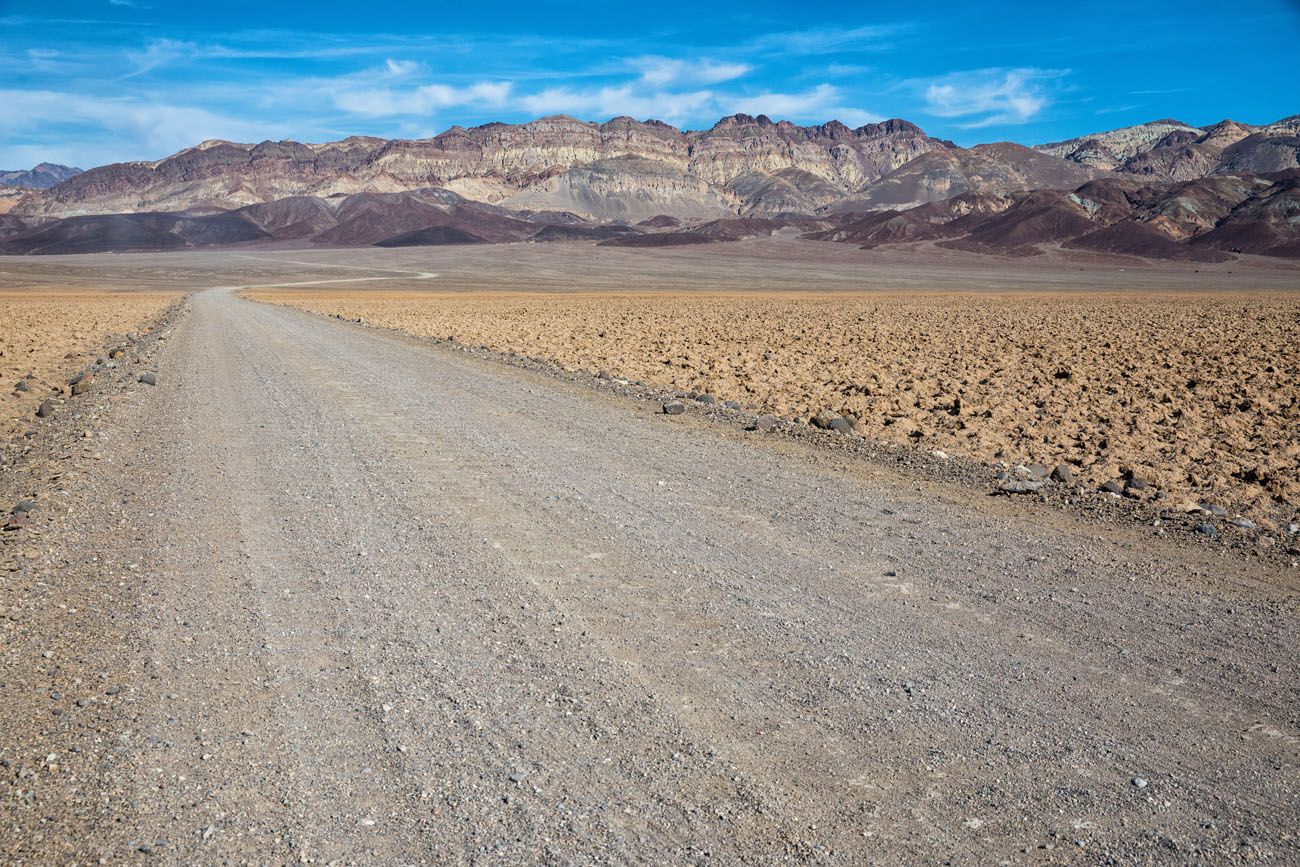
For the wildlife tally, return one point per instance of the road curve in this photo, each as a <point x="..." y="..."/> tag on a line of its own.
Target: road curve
<point x="399" y="605"/>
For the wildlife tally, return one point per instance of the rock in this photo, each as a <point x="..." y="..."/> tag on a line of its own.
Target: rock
<point x="1136" y="483"/>
<point x="116" y="352"/>
<point x="83" y="384"/>
<point x="707" y="399"/>
<point x="604" y="374"/>
<point x="149" y="378"/>
<point x="939" y="455"/>
<point x="17" y="521"/>
<point x="766" y="421"/>
<point x="1216" y="511"/>
<point x="674" y="407"/>
<point x="22" y="386"/>
<point x="1063" y="473"/>
<point x="1293" y="529"/>
<point x="1139" y="783"/>
<point x="823" y="419"/>
<point x="1037" y="472"/>
<point x="1114" y="486"/>
<point x="1020" y="486"/>
<point x="1207" y="530"/>
<point x="27" y="506"/>
<point x="45" y="410"/>
<point x="1244" y="524"/>
<point x="730" y="404"/>
<point x="841" y="425"/>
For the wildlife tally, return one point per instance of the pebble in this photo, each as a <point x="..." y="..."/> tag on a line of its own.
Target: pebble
<point x="149" y="378"/>
<point x="1215" y="510"/>
<point x="45" y="410"/>
<point x="1019" y="486"/>
<point x="1036" y="472"/>
<point x="674" y="407"/>
<point x="706" y="398"/>
<point x="1244" y="524"/>
<point x="1063" y="473"/>
<point x="766" y="421"/>
<point x="1140" y="783"/>
<point x="83" y="384"/>
<point x="22" y="386"/>
<point x="841" y="425"/>
<point x="1114" y="486"/>
<point x="1207" y="530"/>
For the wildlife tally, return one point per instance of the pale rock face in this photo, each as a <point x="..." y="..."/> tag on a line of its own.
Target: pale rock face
<point x="496" y="161"/>
<point x="1121" y="143"/>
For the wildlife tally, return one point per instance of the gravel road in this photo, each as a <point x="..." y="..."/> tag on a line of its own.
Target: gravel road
<point x="328" y="594"/>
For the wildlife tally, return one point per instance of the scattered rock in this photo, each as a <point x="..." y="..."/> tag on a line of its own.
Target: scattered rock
<point x="841" y="425"/>
<point x="1020" y="486"/>
<point x="674" y="407"/>
<point x="22" y="386"/>
<point x="1244" y="524"/>
<point x="1063" y="473"/>
<point x="707" y="399"/>
<point x="1215" y="510"/>
<point x="766" y="421"/>
<point x="83" y="384"/>
<point x="149" y="378"/>
<point x="1207" y="530"/>
<point x="823" y="419"/>
<point x="45" y="410"/>
<point x="1114" y="486"/>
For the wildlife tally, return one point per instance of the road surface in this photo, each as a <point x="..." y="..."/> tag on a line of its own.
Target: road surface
<point x="332" y="595"/>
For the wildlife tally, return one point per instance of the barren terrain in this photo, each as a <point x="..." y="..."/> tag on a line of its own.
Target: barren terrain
<point x="331" y="593"/>
<point x="51" y="334"/>
<point x="1197" y="394"/>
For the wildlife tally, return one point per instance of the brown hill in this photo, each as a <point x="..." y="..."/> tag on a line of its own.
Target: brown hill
<point x="993" y="168"/>
<point x="506" y="158"/>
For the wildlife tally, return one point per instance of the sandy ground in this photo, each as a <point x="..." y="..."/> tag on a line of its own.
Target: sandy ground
<point x="330" y="594"/>
<point x="49" y="334"/>
<point x="1196" y="393"/>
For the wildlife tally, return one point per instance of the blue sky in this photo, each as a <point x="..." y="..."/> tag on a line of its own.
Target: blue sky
<point x="99" y="81"/>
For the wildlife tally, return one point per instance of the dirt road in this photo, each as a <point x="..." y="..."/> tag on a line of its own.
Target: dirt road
<point x="332" y="595"/>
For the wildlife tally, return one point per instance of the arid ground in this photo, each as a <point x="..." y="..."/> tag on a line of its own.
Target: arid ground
<point x="50" y="334"/>
<point x="288" y="588"/>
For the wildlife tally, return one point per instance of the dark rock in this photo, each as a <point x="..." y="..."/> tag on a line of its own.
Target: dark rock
<point x="83" y="384"/>
<point x="27" y="506"/>
<point x="1020" y="486"/>
<point x="1215" y="510"/>
<point x="1063" y="473"/>
<point x="604" y="374"/>
<point x="766" y="421"/>
<point x="1137" y="483"/>
<point x="149" y="378"/>
<point x="22" y="386"/>
<point x="841" y="425"/>
<point x="1114" y="486"/>
<point x="45" y="410"/>
<point x="674" y="407"/>
<point x="823" y="419"/>
<point x="730" y="404"/>
<point x="1207" y="530"/>
<point x="707" y="398"/>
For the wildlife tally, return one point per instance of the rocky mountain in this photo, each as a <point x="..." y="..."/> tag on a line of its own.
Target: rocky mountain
<point x="613" y="169"/>
<point x="1205" y="219"/>
<point x="408" y="218"/>
<point x="1177" y="151"/>
<point x="42" y="177"/>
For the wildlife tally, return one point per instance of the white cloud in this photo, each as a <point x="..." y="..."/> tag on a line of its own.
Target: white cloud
<point x="159" y="53"/>
<point x="664" y="71"/>
<point x="986" y="97"/>
<point x="826" y="40"/>
<point x="819" y="104"/>
<point x="616" y="100"/>
<point x="390" y="102"/>
<point x="141" y="128"/>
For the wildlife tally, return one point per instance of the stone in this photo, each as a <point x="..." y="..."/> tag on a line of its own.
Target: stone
<point x="1139" y="783"/>
<point x="45" y="410"/>
<point x="26" y="506"/>
<point x="22" y="386"/>
<point x="730" y="404"/>
<point x="1037" y="472"/>
<point x="149" y="378"/>
<point x="1137" y="483"/>
<point x="766" y="421"/>
<point x="674" y="407"/>
<point x="1215" y="510"/>
<point x="1114" y="486"/>
<point x="83" y="384"/>
<point x="841" y="425"/>
<point x="1244" y="524"/>
<point x="604" y="374"/>
<point x="1063" y="473"/>
<point x="706" y="399"/>
<point x="823" y="419"/>
<point x="1020" y="486"/>
<point x="1207" y="530"/>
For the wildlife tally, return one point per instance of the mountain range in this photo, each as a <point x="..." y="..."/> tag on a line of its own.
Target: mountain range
<point x="42" y="177"/>
<point x="1210" y="190"/>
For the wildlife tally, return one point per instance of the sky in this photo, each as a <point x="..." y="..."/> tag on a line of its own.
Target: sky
<point x="88" y="83"/>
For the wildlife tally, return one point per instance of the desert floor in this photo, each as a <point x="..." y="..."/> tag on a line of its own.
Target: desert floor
<point x="329" y="592"/>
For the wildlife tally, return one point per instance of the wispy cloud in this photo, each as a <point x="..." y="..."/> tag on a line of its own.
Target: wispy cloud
<point x="820" y="103"/>
<point x="827" y="40"/>
<point x="665" y="71"/>
<point x="989" y="97"/>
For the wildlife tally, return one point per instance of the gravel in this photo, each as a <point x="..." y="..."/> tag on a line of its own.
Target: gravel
<point x="683" y="639"/>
